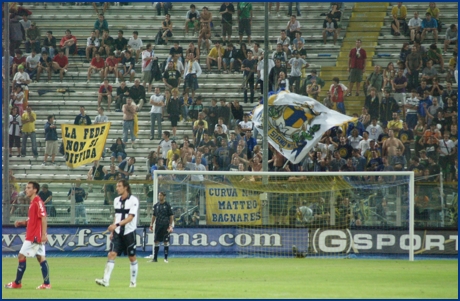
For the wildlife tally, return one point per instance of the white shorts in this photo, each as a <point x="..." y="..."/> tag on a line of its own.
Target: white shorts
<point x="30" y="249"/>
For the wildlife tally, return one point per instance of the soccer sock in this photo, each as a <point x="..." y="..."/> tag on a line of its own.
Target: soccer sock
<point x="133" y="269"/>
<point x="45" y="272"/>
<point x="20" y="272"/>
<point x="166" y="252"/>
<point x="108" y="270"/>
<point x="155" y="253"/>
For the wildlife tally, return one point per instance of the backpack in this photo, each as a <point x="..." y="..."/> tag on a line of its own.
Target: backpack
<point x="158" y="38"/>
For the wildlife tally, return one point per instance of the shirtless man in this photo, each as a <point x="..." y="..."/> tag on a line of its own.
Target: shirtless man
<point x="391" y="145"/>
<point x="204" y="36"/>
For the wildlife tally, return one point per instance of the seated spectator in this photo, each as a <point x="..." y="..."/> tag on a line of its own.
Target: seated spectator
<point x="429" y="25"/>
<point x="137" y="93"/>
<point x="451" y="74"/>
<point x="215" y="57"/>
<point x="434" y="54"/>
<point x="105" y="93"/>
<point x="49" y="44"/>
<point x="298" y="42"/>
<point x="450" y="111"/>
<point x="44" y="64"/>
<point x="229" y="57"/>
<point x="127" y="67"/>
<point x="97" y="65"/>
<point x="192" y="20"/>
<point x="33" y="38"/>
<point x="238" y="114"/>
<point x="451" y="37"/>
<point x="375" y="163"/>
<point x="329" y="29"/>
<point x="120" y="44"/>
<point x="32" y="64"/>
<point x="354" y="139"/>
<point x="222" y="156"/>
<point x="415" y="27"/>
<point x="92" y="46"/>
<point x="82" y="118"/>
<point x="60" y="64"/>
<point x="171" y="77"/>
<point x="176" y="50"/>
<point x="285" y="41"/>
<point x="97" y="172"/>
<point x="136" y="45"/>
<point x="422" y="89"/>
<point x="292" y="27"/>
<point x="69" y="43"/>
<point x="196" y="108"/>
<point x="122" y="93"/>
<point x="18" y="59"/>
<point x="111" y="64"/>
<point x="107" y="43"/>
<point x="435" y="13"/>
<point x="436" y="91"/>
<point x="166" y="6"/>
<point x="100" y="25"/>
<point x="405" y="51"/>
<point x="167" y="28"/>
<point x="118" y="151"/>
<point x="21" y="79"/>
<point x="126" y="168"/>
<point x="195" y="50"/>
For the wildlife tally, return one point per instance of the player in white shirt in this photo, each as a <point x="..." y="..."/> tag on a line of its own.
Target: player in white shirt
<point x="136" y="44"/>
<point x="123" y="233"/>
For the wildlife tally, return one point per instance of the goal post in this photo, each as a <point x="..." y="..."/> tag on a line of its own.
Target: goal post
<point x="298" y="213"/>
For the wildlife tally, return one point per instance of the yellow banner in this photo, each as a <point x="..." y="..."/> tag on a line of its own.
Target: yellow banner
<point x="230" y="206"/>
<point x="83" y="143"/>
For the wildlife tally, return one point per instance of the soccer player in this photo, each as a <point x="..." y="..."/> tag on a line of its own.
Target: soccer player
<point x="163" y="218"/>
<point x="34" y="245"/>
<point x="123" y="232"/>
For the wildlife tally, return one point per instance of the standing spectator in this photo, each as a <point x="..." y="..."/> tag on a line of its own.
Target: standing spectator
<point x="191" y="74"/>
<point x="337" y="91"/>
<point x="126" y="168"/>
<point x="395" y="124"/>
<point x="215" y="57"/>
<point x="329" y="29"/>
<point x="251" y="142"/>
<point x="226" y="11"/>
<point x="165" y="145"/>
<point x="415" y="27"/>
<point x="105" y="92"/>
<point x="17" y="99"/>
<point x="33" y="38"/>
<point x="44" y="64"/>
<point x="69" y="43"/>
<point x="51" y="140"/>
<point x="260" y="72"/>
<point x="122" y="93"/>
<point x="223" y="155"/>
<point x="249" y="68"/>
<point x="224" y="111"/>
<point x="92" y="46"/>
<point x="100" y="25"/>
<point x="97" y="65"/>
<point x="192" y="19"/>
<point x="406" y="135"/>
<point x="356" y="67"/>
<point x="173" y="108"/>
<point x="410" y="105"/>
<point x="165" y="5"/>
<point x="388" y="106"/>
<point x="16" y="32"/>
<point x="284" y="40"/>
<point x="292" y="27"/>
<point x="120" y="44"/>
<point x="32" y="63"/>
<point x="429" y="25"/>
<point x="375" y="80"/>
<point x="274" y="75"/>
<point x="28" y="130"/>
<point x="244" y="20"/>
<point x="451" y="37"/>
<point x="147" y="62"/>
<point x="171" y="77"/>
<point x="80" y="196"/>
<point x="129" y="110"/>
<point x="156" y="112"/>
<point x="297" y="64"/>
<point x="195" y="50"/>
<point x="127" y="67"/>
<point x="82" y="118"/>
<point x="137" y="94"/>
<point x="60" y="64"/>
<point x="399" y="84"/>
<point x="405" y="51"/>
<point x="14" y="131"/>
<point x="414" y="65"/>
<point x="432" y="110"/>
<point x="167" y="27"/>
<point x="136" y="45"/>
<point x="297" y="8"/>
<point x="49" y="44"/>
<point x="238" y="115"/>
<point x="109" y="189"/>
<point x="277" y="8"/>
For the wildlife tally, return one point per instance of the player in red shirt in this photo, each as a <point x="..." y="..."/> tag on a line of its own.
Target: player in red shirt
<point x="60" y="64"/>
<point x="98" y="65"/>
<point x="36" y="237"/>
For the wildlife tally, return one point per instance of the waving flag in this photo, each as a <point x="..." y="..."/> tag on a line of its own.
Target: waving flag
<point x="296" y="123"/>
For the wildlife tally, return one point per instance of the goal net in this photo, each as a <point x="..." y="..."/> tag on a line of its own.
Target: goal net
<point x="296" y="214"/>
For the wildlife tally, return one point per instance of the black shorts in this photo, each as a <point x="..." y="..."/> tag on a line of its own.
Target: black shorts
<point x="161" y="233"/>
<point x="124" y="244"/>
<point x="15" y="141"/>
<point x="278" y="207"/>
<point x="174" y="119"/>
<point x="244" y="25"/>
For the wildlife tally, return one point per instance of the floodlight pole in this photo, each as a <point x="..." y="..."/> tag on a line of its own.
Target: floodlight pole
<point x="265" y="92"/>
<point x="6" y="96"/>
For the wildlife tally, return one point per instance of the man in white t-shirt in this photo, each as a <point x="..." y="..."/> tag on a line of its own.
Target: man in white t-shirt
<point x="415" y="27"/>
<point x="260" y="72"/>
<point x="165" y="145"/>
<point x="147" y="62"/>
<point x="364" y="144"/>
<point x="32" y="63"/>
<point x="374" y="130"/>
<point x="297" y="64"/>
<point x="156" y="112"/>
<point x="136" y="44"/>
<point x="246" y="124"/>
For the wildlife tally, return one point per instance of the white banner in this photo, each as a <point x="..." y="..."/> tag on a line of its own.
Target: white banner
<point x="296" y="123"/>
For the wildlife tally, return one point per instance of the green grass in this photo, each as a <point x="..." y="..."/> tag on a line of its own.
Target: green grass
<point x="241" y="278"/>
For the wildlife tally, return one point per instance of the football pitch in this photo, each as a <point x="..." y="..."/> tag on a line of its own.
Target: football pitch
<point x="73" y="277"/>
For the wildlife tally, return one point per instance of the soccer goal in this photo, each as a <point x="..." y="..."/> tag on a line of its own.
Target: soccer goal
<point x="296" y="214"/>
